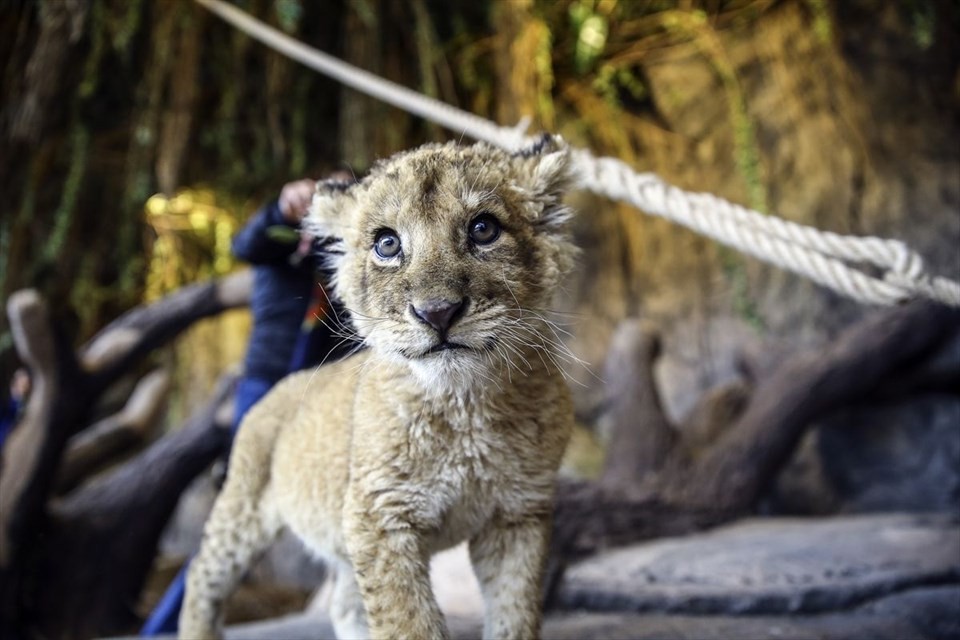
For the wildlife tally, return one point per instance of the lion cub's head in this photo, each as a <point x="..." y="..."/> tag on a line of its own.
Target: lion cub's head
<point x="446" y="255"/>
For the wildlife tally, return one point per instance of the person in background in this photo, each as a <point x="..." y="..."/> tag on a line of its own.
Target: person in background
<point x="10" y="412"/>
<point x="294" y="324"/>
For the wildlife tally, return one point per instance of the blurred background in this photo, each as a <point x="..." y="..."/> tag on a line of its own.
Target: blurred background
<point x="137" y="137"/>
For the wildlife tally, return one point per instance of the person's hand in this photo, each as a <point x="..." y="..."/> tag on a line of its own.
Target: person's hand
<point x="20" y="384"/>
<point x="295" y="198"/>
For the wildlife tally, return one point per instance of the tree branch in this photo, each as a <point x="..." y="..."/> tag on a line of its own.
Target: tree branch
<point x="727" y="479"/>
<point x="140" y="330"/>
<point x="97" y="445"/>
<point x="33" y="451"/>
<point x="805" y="387"/>
<point x="641" y="436"/>
<point x="714" y="412"/>
<point x="118" y="518"/>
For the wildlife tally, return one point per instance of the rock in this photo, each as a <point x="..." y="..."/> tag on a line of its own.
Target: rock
<point x="887" y="577"/>
<point x="928" y="613"/>
<point x="934" y="611"/>
<point x="877" y="458"/>
<point x="917" y="614"/>
<point x="765" y="566"/>
<point x="895" y="456"/>
<point x="920" y="614"/>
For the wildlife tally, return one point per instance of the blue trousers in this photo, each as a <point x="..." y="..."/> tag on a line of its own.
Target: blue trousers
<point x="249" y="391"/>
<point x="163" y="618"/>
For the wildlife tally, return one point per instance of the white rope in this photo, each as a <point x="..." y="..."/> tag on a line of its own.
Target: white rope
<point x="821" y="256"/>
<point x="818" y="255"/>
<point x="366" y="82"/>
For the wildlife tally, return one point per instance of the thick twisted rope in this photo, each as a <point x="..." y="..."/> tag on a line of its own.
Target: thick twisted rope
<point x="821" y="256"/>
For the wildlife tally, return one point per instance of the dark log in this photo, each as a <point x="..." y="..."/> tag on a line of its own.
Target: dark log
<point x="716" y="410"/>
<point x="804" y="388"/>
<point x="32" y="454"/>
<point x="65" y="391"/>
<point x="141" y="330"/>
<point x="32" y="542"/>
<point x="589" y="517"/>
<point x="692" y="492"/>
<point x="939" y="373"/>
<point x="100" y="542"/>
<point x="102" y="443"/>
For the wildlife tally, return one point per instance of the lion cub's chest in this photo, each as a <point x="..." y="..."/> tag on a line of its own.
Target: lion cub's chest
<point x="464" y="458"/>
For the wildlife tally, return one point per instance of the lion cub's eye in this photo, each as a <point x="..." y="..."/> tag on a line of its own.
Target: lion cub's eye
<point x="484" y="229"/>
<point x="387" y="243"/>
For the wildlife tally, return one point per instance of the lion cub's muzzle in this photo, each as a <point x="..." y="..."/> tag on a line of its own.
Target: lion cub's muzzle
<point x="440" y="314"/>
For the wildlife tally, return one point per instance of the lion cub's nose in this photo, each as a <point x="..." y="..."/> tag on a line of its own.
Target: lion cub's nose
<point x="439" y="314"/>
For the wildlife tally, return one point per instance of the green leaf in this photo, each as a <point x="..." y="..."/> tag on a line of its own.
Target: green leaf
<point x="283" y="233"/>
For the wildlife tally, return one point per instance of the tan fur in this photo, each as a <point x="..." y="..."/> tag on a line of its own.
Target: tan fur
<point x="380" y="460"/>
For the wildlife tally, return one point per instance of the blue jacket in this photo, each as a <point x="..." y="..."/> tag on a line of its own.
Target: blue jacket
<point x="9" y="412"/>
<point x="281" y="291"/>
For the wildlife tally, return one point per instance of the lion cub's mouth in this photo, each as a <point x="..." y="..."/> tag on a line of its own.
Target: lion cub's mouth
<point x="446" y="345"/>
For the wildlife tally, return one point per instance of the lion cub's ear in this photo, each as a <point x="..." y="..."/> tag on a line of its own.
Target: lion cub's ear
<point x="327" y="218"/>
<point x="543" y="174"/>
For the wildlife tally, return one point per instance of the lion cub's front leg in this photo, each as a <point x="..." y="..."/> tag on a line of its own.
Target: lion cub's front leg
<point x="235" y="533"/>
<point x="509" y="558"/>
<point x="391" y="562"/>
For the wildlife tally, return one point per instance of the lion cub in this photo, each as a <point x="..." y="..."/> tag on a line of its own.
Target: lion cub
<point x="452" y="424"/>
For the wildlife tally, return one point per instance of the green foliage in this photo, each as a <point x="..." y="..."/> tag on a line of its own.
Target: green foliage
<point x="289" y="13"/>
<point x="735" y="272"/>
<point x="366" y="10"/>
<point x="252" y="127"/>
<point x="472" y="64"/>
<point x="63" y="217"/>
<point x="822" y="22"/>
<point x="126" y="25"/>
<point x="923" y="15"/>
<point x="298" y="127"/>
<point x="611" y="80"/>
<point x="543" y="62"/>
<point x="747" y="154"/>
<point x="98" y="36"/>
<point x="591" y="30"/>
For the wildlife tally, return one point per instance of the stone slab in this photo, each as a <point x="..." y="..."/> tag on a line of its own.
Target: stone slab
<point x="919" y="619"/>
<point x="918" y="614"/>
<point x="771" y="566"/>
<point x="888" y="577"/>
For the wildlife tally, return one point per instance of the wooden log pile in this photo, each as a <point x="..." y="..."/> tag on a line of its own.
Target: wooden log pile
<point x="75" y="551"/>
<point x="662" y="479"/>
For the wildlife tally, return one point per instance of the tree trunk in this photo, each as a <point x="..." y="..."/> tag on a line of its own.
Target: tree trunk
<point x="71" y="568"/>
<point x="99" y="543"/>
